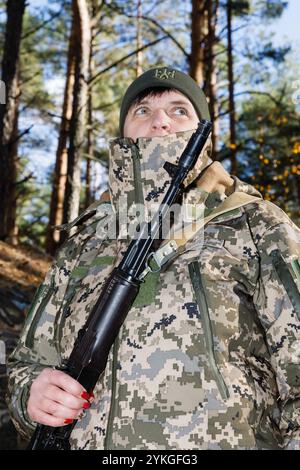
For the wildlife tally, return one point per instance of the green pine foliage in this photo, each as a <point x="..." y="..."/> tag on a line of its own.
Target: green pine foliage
<point x="267" y="119"/>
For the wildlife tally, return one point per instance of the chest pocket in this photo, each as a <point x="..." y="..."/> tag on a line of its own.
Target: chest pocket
<point x="284" y="272"/>
<point x="199" y="293"/>
<point x="40" y="300"/>
<point x="229" y="253"/>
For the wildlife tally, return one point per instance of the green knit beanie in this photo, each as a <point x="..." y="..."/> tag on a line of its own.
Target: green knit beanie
<point x="165" y="77"/>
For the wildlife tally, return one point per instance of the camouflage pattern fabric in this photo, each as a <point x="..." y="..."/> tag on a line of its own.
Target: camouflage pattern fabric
<point x="136" y="170"/>
<point x="210" y="360"/>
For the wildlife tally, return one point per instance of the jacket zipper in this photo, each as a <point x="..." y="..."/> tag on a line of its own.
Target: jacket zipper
<point x="46" y="294"/>
<point x="206" y="323"/>
<point x="109" y="428"/>
<point x="139" y="197"/>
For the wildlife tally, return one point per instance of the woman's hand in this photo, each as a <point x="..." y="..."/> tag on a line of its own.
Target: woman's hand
<point x="56" y="399"/>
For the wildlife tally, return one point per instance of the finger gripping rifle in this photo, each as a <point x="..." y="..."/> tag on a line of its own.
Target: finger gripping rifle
<point x="90" y="352"/>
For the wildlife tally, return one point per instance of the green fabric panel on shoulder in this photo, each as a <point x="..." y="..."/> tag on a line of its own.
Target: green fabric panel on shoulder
<point x="79" y="271"/>
<point x="296" y="267"/>
<point x="146" y="295"/>
<point x="103" y="260"/>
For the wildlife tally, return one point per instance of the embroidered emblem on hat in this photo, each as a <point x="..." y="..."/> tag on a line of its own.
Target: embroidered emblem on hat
<point x="164" y="74"/>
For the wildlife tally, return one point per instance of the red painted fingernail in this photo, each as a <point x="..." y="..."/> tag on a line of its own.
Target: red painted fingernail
<point x="86" y="405"/>
<point x="85" y="395"/>
<point x="68" y="421"/>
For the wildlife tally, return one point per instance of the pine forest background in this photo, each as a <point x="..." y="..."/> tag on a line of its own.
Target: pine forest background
<point x="64" y="68"/>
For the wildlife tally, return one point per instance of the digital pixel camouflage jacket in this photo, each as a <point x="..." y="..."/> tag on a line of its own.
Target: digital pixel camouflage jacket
<point x="207" y="358"/>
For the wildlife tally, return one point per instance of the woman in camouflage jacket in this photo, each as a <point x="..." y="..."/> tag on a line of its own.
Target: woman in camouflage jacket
<point x="208" y="356"/>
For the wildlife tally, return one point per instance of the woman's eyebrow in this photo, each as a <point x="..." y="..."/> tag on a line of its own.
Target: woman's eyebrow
<point x="141" y="102"/>
<point x="180" y="102"/>
<point x="176" y="102"/>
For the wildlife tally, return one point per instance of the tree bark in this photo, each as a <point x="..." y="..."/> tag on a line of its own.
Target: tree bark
<point x="211" y="73"/>
<point x="13" y="231"/>
<point x="94" y="22"/>
<point x="79" y="108"/>
<point x="232" y="118"/>
<point x="9" y="120"/>
<point x="90" y="151"/>
<point x="203" y="56"/>
<point x="61" y="163"/>
<point x="198" y="33"/>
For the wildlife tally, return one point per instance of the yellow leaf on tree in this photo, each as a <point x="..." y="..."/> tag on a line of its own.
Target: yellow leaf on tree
<point x="296" y="147"/>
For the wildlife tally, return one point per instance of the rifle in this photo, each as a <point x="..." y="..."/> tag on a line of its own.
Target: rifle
<point x="90" y="352"/>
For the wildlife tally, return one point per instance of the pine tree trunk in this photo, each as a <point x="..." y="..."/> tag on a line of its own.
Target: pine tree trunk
<point x="232" y="144"/>
<point x="61" y="164"/>
<point x="12" y="236"/>
<point x="90" y="149"/>
<point x="198" y="34"/>
<point x="211" y="73"/>
<point x="9" y="119"/>
<point x="90" y="152"/>
<point x="90" y="140"/>
<point x="202" y="58"/>
<point x="79" y="108"/>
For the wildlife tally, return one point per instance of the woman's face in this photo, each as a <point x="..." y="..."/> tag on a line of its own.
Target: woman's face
<point x="160" y="115"/>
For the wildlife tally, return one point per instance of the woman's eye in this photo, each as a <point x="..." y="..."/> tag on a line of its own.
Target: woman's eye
<point x="181" y="111"/>
<point x="141" y="110"/>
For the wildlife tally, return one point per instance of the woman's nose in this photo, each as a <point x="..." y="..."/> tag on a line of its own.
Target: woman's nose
<point x="160" y="120"/>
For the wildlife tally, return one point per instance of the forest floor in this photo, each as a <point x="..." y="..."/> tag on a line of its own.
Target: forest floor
<point x="22" y="265"/>
<point x="22" y="269"/>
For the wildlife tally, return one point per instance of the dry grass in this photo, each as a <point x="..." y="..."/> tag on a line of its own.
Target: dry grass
<point x="22" y="265"/>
